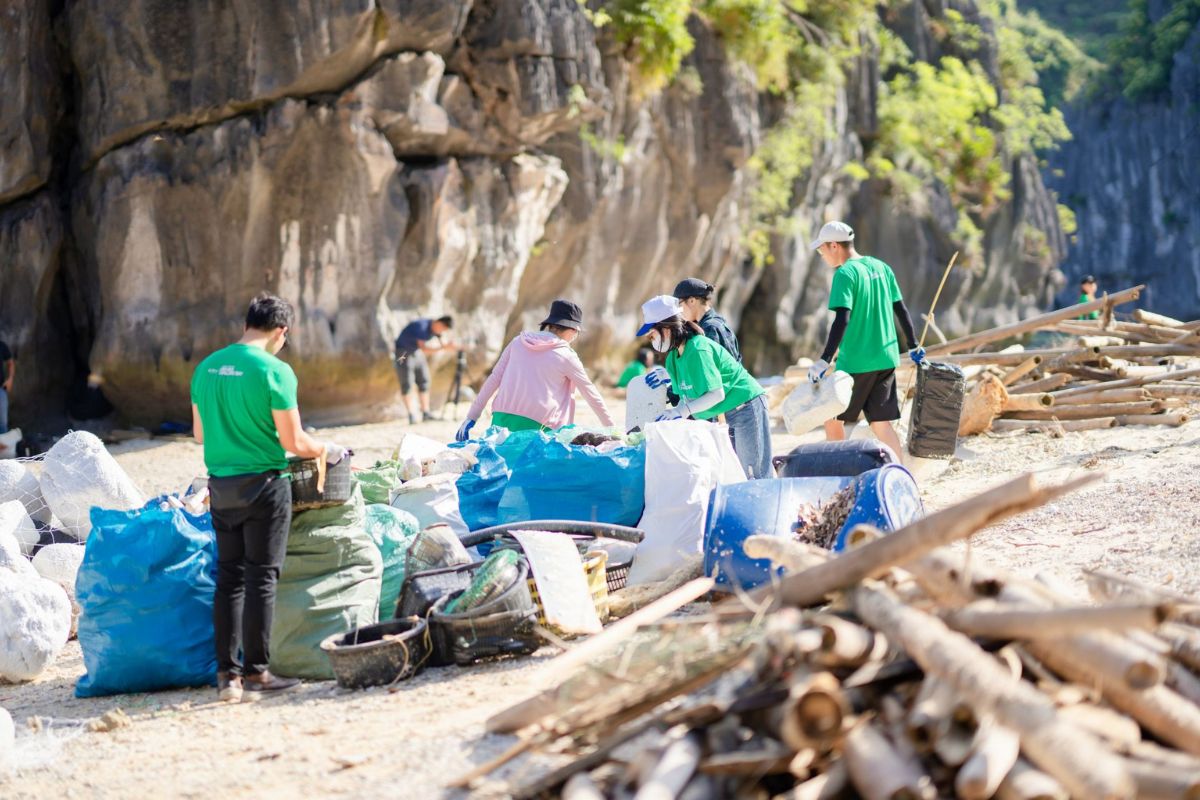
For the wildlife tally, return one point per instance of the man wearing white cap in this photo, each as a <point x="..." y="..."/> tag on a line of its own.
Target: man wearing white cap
<point x="867" y="304"/>
<point x="709" y="382"/>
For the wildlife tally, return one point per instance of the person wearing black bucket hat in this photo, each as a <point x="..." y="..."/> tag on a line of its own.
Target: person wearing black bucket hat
<point x="1087" y="293"/>
<point x="695" y="298"/>
<point x="535" y="380"/>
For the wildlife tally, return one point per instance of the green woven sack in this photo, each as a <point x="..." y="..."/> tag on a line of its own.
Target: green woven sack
<point x="378" y="481"/>
<point x="330" y="583"/>
<point x="393" y="531"/>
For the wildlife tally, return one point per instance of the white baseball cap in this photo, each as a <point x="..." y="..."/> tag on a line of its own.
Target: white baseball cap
<point x="833" y="232"/>
<point x="656" y="309"/>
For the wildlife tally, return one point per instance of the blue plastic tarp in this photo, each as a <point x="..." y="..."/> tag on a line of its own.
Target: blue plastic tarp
<point x="146" y="589"/>
<point x="481" y="487"/>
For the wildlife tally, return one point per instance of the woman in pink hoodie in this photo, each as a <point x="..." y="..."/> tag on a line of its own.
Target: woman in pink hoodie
<point x="536" y="377"/>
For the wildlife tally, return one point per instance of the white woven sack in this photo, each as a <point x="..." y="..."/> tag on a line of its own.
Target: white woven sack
<point x="810" y="405"/>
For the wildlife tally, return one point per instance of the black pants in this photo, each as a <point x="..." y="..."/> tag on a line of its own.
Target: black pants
<point x="251" y="516"/>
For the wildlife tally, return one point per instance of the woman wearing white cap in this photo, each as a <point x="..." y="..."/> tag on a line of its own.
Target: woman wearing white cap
<point x="708" y="381"/>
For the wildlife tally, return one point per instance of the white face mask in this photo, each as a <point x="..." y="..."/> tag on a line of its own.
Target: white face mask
<point x="659" y="342"/>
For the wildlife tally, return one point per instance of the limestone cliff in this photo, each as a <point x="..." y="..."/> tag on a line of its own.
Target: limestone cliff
<point x="374" y="160"/>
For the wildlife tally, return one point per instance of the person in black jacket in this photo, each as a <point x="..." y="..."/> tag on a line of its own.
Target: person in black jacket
<point x="696" y="297"/>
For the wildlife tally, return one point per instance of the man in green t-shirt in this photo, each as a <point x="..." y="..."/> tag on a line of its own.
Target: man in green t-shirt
<point x="867" y="304"/>
<point x="244" y="412"/>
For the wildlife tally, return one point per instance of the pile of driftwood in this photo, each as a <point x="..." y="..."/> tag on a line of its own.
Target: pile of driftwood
<point x="898" y="669"/>
<point x="1145" y="371"/>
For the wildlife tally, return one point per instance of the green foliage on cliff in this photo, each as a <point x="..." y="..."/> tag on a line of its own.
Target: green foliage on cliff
<point x="949" y="122"/>
<point x="1143" y="54"/>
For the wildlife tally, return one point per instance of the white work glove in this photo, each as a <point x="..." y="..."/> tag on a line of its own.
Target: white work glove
<point x="334" y="453"/>
<point x="817" y="371"/>
<point x="680" y="411"/>
<point x="658" y="377"/>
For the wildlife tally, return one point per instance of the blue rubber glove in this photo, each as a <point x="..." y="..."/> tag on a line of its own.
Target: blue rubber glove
<point x="675" y="412"/>
<point x="817" y="371"/>
<point x="917" y="354"/>
<point x="464" y="432"/>
<point x="657" y="377"/>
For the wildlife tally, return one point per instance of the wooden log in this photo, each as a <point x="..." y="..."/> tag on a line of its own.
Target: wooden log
<point x="624" y="602"/>
<point x="1021" y="370"/>
<point x="754" y="763"/>
<point x="932" y="707"/>
<point x="581" y="787"/>
<point x="1054" y="427"/>
<point x="1162" y="782"/>
<point x="879" y="772"/>
<point x="787" y="553"/>
<point x="1130" y="394"/>
<point x="999" y="622"/>
<point x="1049" y="383"/>
<point x="1173" y="375"/>
<point x="1157" y="754"/>
<point x="1074" y="757"/>
<point x="914" y="540"/>
<point x="1172" y="419"/>
<point x="1028" y="402"/>
<point x="1026" y="782"/>
<point x="1150" y="318"/>
<point x="1091" y="410"/>
<point x="673" y="771"/>
<point x="983" y="403"/>
<point x="1034" y="323"/>
<point x="994" y="755"/>
<point x="1091" y="374"/>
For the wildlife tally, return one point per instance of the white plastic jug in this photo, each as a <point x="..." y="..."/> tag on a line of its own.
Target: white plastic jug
<point x="810" y="405"/>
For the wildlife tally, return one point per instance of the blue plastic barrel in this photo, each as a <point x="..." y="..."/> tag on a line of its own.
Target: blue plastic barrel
<point x="887" y="498"/>
<point x="769" y="506"/>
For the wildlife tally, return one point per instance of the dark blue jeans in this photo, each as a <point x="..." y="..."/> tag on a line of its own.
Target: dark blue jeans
<point x="3" y="411"/>
<point x="750" y="432"/>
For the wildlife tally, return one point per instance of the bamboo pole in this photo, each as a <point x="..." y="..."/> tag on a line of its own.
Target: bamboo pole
<point x="1074" y="757"/>
<point x="879" y="772"/>
<point x="1001" y="622"/>
<point x="813" y="713"/>
<point x="1172" y="419"/>
<point x="1026" y="782"/>
<point x="1028" y="402"/>
<point x="912" y="541"/>
<point x="1049" y="383"/>
<point x="1130" y="394"/>
<point x="1172" y="375"/>
<point x="1162" y="782"/>
<point x="1167" y="392"/>
<point x="1150" y="318"/>
<point x="842" y="642"/>
<point x="1053" y="426"/>
<point x="673" y="771"/>
<point x="1021" y="370"/>
<point x="994" y="756"/>
<point x="829" y="785"/>
<point x="1040" y="321"/>
<point x="936" y="296"/>
<point x="1090" y="410"/>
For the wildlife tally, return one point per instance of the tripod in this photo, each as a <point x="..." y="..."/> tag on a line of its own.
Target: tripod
<point x="454" y="394"/>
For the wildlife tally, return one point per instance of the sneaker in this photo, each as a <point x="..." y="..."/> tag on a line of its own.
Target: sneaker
<point x="429" y="417"/>
<point x="412" y="420"/>
<point x="258" y="687"/>
<point x="229" y="687"/>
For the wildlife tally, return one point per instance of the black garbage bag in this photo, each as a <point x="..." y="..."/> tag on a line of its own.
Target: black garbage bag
<point x="933" y="425"/>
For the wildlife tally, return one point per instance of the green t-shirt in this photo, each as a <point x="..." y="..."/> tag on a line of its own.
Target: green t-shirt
<point x="632" y="370"/>
<point x="1083" y="298"/>
<point x="867" y="287"/>
<point x="704" y="366"/>
<point x="236" y="389"/>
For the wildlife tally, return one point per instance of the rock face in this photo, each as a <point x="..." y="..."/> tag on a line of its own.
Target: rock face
<point x="1134" y="184"/>
<point x="377" y="160"/>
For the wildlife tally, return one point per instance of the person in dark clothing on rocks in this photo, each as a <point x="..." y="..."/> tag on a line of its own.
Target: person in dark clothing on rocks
<point x="867" y="306"/>
<point x="245" y="414"/>
<point x="695" y="296"/>
<point x="412" y="365"/>
<point x="8" y="369"/>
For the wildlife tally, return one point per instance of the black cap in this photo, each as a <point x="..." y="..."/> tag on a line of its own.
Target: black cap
<point x="692" y="287"/>
<point x="1088" y="279"/>
<point x="565" y="314"/>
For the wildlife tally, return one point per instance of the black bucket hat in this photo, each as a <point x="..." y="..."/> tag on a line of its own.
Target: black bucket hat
<point x="565" y="314"/>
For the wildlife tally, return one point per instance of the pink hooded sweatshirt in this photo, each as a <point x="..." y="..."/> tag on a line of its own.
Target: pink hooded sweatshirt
<point x="537" y="376"/>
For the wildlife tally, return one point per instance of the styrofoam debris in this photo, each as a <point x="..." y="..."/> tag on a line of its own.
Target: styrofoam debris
<point x="79" y="474"/>
<point x="35" y="621"/>
<point x="8" y="742"/>
<point x="15" y="521"/>
<point x="60" y="563"/>
<point x="17" y="482"/>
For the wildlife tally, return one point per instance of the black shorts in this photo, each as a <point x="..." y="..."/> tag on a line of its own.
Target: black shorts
<point x="875" y="394"/>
